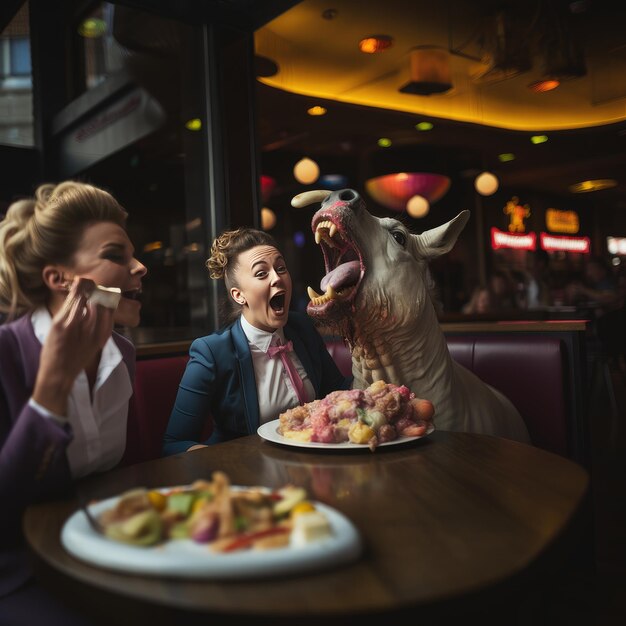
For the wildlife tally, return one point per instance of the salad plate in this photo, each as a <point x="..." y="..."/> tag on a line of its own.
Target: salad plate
<point x="184" y="558"/>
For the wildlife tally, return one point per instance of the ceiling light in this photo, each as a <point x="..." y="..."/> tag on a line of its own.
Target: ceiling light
<point x="429" y="72"/>
<point x="593" y="185"/>
<point x="268" y="218"/>
<point x="506" y="156"/>
<point x="267" y="186"/>
<point x="486" y="184"/>
<point x="316" y="110"/>
<point x="537" y="139"/>
<point x="92" y="28"/>
<point x="417" y="206"/>
<point x="333" y="181"/>
<point x="546" y="84"/>
<point x="306" y="171"/>
<point x="375" y="43"/>
<point x="394" y="191"/>
<point x="424" y="126"/>
<point x="194" y="124"/>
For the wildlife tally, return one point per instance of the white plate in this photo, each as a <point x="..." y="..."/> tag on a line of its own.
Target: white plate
<point x="269" y="432"/>
<point x="183" y="558"/>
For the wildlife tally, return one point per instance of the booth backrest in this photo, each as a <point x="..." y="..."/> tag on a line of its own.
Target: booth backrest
<point x="529" y="369"/>
<point x="531" y="372"/>
<point x="156" y="385"/>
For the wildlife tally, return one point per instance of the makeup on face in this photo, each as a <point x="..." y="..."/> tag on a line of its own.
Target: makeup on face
<point x="264" y="284"/>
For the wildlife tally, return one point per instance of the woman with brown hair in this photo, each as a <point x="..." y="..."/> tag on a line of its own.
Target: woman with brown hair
<point x="266" y="360"/>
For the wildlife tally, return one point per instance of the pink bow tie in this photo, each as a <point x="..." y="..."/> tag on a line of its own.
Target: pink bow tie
<point x="294" y="377"/>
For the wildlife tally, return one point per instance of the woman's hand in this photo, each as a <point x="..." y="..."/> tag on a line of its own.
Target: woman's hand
<point x="78" y="333"/>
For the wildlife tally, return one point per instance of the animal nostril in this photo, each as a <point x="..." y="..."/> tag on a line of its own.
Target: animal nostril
<point x="348" y="195"/>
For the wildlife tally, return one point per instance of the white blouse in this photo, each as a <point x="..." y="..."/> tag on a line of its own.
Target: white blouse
<point x="275" y="391"/>
<point x="98" y="423"/>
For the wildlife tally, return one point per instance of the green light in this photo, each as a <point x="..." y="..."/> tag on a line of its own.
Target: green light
<point x="424" y="126"/>
<point x="383" y="142"/>
<point x="539" y="139"/>
<point x="194" y="124"/>
<point x="506" y="156"/>
<point x="92" y="28"/>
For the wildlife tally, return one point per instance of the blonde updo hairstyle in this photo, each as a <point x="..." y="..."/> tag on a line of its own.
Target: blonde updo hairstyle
<point x="44" y="230"/>
<point x="223" y="262"/>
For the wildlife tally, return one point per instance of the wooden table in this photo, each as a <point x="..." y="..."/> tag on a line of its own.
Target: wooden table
<point x="452" y="521"/>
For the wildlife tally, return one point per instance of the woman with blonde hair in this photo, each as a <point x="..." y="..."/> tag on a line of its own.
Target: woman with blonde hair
<point x="265" y="360"/>
<point x="65" y="374"/>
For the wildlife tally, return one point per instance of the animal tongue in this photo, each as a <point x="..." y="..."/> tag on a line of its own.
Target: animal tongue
<point x="342" y="275"/>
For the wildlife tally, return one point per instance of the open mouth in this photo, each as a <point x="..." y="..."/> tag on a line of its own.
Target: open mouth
<point x="132" y="294"/>
<point x="277" y="303"/>
<point x="343" y="263"/>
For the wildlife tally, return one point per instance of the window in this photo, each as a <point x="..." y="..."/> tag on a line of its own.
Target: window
<point x="20" y="56"/>
<point x="16" y="98"/>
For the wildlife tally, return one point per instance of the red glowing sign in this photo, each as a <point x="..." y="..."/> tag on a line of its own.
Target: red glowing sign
<point x="553" y="243"/>
<point x="502" y="239"/>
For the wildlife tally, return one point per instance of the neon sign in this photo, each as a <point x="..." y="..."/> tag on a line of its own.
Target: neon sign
<point x="517" y="213"/>
<point x="501" y="239"/>
<point x="562" y="221"/>
<point x="616" y="245"/>
<point x="553" y="243"/>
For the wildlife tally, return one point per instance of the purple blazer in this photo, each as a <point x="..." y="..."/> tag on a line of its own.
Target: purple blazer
<point x="33" y="462"/>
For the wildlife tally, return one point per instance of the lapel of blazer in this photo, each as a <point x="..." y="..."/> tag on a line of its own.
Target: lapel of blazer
<point x="246" y="373"/>
<point x="303" y="355"/>
<point x="30" y="348"/>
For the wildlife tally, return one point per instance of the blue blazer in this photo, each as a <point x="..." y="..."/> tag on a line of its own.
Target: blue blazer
<point x="219" y="384"/>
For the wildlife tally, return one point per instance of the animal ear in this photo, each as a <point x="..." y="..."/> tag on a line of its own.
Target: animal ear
<point x="440" y="240"/>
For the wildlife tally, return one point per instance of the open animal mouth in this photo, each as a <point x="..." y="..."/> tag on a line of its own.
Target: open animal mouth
<point x="343" y="263"/>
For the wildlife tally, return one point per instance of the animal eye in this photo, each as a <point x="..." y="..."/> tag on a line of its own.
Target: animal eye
<point x="399" y="236"/>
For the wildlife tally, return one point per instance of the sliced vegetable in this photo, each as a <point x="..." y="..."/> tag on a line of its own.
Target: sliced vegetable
<point x="302" y="507"/>
<point x="181" y="502"/>
<point x="245" y="541"/>
<point x="143" y="529"/>
<point x="157" y="500"/>
<point x="291" y="496"/>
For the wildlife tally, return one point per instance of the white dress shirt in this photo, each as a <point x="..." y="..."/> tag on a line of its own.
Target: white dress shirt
<point x="98" y="423"/>
<point x="275" y="391"/>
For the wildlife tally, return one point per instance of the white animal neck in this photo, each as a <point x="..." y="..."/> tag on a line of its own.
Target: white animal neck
<point x="413" y="354"/>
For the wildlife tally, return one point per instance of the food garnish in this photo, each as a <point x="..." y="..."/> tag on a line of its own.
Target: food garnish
<point x="224" y="518"/>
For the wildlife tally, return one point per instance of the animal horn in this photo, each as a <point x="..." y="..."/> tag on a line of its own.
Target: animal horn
<point x="309" y="197"/>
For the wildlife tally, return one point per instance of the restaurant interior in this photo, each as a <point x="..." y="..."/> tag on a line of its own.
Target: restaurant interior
<point x="200" y="116"/>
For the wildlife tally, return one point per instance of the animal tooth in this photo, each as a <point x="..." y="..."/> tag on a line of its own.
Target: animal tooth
<point x="331" y="294"/>
<point x="312" y="293"/>
<point x="332" y="230"/>
<point x="318" y="235"/>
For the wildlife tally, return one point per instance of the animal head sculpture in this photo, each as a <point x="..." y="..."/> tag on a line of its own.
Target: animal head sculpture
<point x="375" y="267"/>
<point x="377" y="294"/>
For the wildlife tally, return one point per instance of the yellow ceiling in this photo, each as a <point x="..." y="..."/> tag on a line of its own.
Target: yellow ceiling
<point x="320" y="57"/>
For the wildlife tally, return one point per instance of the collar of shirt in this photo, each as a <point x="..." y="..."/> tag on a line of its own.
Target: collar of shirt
<point x="261" y="339"/>
<point x="111" y="355"/>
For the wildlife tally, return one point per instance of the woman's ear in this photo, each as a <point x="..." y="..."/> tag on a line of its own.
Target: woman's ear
<point x="237" y="296"/>
<point x="54" y="278"/>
